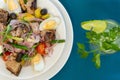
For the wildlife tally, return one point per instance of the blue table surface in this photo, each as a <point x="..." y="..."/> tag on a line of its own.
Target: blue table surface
<point x="83" y="69"/>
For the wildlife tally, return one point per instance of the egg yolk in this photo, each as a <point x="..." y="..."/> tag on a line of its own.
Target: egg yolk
<point x="50" y="25"/>
<point x="12" y="5"/>
<point x="36" y="59"/>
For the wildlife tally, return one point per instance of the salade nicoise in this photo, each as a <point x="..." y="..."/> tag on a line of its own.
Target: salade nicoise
<point x="27" y="34"/>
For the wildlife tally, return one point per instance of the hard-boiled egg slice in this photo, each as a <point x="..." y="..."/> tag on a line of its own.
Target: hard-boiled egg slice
<point x="50" y="23"/>
<point x="13" y="6"/>
<point x="3" y="5"/>
<point x="38" y="62"/>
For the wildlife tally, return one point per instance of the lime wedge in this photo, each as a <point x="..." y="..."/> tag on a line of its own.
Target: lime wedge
<point x="97" y="26"/>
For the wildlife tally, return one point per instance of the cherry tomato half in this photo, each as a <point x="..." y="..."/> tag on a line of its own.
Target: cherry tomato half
<point x="41" y="48"/>
<point x="5" y="55"/>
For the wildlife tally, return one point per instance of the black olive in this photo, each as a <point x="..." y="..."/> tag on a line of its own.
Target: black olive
<point x="13" y="16"/>
<point x="19" y="57"/>
<point x="43" y="11"/>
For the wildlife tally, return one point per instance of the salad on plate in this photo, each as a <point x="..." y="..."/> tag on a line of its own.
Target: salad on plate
<point x="27" y="34"/>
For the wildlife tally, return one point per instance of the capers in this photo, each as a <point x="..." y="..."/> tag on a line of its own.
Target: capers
<point x="13" y="16"/>
<point x="44" y="11"/>
<point x="19" y="57"/>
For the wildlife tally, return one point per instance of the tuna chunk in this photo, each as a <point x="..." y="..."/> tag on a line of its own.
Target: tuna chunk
<point x="3" y="16"/>
<point x="47" y="35"/>
<point x="35" y="27"/>
<point x="2" y="28"/>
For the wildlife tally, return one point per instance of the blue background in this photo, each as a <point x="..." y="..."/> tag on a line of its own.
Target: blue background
<point x="83" y="69"/>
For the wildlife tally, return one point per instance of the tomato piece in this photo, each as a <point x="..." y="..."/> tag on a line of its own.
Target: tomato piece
<point x="5" y="58"/>
<point x="5" y="55"/>
<point x="41" y="48"/>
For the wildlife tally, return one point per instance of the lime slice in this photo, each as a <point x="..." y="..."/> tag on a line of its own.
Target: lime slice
<point x="97" y="26"/>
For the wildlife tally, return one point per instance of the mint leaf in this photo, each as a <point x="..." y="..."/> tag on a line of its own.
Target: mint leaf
<point x="83" y="53"/>
<point x="96" y="60"/>
<point x="81" y="50"/>
<point x="112" y="46"/>
<point x="81" y="46"/>
<point x="93" y="37"/>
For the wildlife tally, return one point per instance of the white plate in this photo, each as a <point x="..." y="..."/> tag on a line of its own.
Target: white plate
<point x="61" y="53"/>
